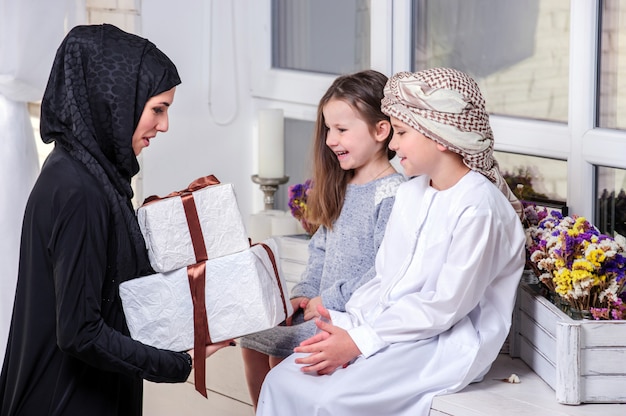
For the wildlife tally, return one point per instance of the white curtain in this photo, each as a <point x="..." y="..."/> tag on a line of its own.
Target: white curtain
<point x="30" y="32"/>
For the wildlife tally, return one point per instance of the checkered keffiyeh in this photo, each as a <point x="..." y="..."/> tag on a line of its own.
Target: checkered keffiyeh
<point x="447" y="106"/>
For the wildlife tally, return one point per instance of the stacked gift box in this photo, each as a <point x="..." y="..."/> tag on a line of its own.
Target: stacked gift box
<point x="211" y="284"/>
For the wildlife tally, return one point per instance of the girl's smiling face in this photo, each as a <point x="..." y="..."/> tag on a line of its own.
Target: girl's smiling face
<point x="153" y="119"/>
<point x="349" y="136"/>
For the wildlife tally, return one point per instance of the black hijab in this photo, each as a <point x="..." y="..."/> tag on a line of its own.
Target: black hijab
<point x="100" y="81"/>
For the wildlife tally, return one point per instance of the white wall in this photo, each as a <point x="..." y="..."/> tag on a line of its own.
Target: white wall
<point x="196" y="145"/>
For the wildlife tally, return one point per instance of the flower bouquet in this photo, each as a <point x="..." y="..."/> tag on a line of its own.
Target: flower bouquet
<point x="298" y="204"/>
<point x="582" y="269"/>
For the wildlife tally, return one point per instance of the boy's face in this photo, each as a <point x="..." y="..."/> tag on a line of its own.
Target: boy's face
<point x="417" y="153"/>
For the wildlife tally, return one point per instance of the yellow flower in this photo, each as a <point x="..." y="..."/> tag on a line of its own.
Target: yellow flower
<point x="581" y="274"/>
<point x="563" y="281"/>
<point x="596" y="256"/>
<point x="582" y="264"/>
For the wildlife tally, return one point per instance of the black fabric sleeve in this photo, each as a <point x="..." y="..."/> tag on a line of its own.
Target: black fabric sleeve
<point x="78" y="246"/>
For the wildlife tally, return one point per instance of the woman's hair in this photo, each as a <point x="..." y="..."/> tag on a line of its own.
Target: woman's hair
<point x="98" y="87"/>
<point x="363" y="91"/>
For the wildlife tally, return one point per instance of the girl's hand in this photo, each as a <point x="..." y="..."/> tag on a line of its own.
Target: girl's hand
<point x="329" y="349"/>
<point x="310" y="310"/>
<point x="296" y="303"/>
<point x="299" y="303"/>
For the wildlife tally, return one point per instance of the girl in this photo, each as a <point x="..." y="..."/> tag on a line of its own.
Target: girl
<point x="68" y="351"/>
<point x="436" y="314"/>
<point x="353" y="191"/>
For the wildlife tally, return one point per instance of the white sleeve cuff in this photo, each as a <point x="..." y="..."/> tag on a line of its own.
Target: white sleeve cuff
<point x="340" y="319"/>
<point x="367" y="340"/>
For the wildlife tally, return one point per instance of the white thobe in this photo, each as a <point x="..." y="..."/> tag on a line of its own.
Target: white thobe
<point x="435" y="316"/>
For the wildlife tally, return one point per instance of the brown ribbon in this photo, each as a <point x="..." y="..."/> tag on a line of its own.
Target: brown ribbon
<point x="196" y="275"/>
<point x="199" y="183"/>
<point x="280" y="286"/>
<point x="195" y="231"/>
<point x="202" y="337"/>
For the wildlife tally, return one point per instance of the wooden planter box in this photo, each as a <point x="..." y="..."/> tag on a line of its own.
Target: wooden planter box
<point x="584" y="361"/>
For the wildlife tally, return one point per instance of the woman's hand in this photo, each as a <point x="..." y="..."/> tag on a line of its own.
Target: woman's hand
<point x="213" y="348"/>
<point x="310" y="309"/>
<point x="329" y="349"/>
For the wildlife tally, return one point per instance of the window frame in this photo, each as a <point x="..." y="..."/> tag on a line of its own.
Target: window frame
<point x="579" y="141"/>
<point x="272" y="86"/>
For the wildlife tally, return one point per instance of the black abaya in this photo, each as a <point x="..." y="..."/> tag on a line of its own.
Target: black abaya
<point x="68" y="351"/>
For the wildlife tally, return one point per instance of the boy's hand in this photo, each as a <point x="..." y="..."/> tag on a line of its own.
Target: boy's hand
<point x="329" y="349"/>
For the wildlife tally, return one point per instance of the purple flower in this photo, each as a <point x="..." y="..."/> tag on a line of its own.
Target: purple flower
<point x="298" y="195"/>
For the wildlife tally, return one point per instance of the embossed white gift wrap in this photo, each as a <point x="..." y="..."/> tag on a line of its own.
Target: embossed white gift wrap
<point x="164" y="226"/>
<point x="242" y="296"/>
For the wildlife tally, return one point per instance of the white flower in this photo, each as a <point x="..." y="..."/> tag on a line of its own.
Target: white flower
<point x="513" y="378"/>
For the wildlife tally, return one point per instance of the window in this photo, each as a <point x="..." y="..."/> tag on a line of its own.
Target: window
<point x="611" y="200"/>
<point x="533" y="178"/>
<point x="324" y="36"/>
<point x="302" y="45"/>
<point x="609" y="146"/>
<point x="298" y="157"/>
<point x="518" y="51"/>
<point x="612" y="107"/>
<point x="553" y="74"/>
<point x="538" y="65"/>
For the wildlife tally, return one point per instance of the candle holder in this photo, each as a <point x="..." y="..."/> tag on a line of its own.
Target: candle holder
<point x="269" y="186"/>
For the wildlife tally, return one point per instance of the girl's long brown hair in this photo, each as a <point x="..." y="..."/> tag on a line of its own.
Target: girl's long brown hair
<point x="363" y="91"/>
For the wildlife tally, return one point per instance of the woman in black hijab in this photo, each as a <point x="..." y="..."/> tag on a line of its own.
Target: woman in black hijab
<point x="68" y="351"/>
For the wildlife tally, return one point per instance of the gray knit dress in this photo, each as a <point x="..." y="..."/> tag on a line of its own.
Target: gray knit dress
<point x="339" y="262"/>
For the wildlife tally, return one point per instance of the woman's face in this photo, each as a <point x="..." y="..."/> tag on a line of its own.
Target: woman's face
<point x="153" y="119"/>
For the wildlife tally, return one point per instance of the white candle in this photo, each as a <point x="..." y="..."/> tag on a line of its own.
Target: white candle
<point x="271" y="144"/>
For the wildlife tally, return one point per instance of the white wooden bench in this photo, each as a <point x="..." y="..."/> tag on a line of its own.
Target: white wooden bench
<point x="532" y="396"/>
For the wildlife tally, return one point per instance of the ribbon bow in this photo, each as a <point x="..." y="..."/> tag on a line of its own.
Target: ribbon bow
<point x="199" y="183"/>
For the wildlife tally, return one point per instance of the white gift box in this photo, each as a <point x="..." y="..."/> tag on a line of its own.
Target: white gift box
<point x="166" y="230"/>
<point x="242" y="293"/>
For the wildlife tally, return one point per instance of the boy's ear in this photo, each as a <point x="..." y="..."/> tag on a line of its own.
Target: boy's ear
<point x="441" y="148"/>
<point x="383" y="127"/>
